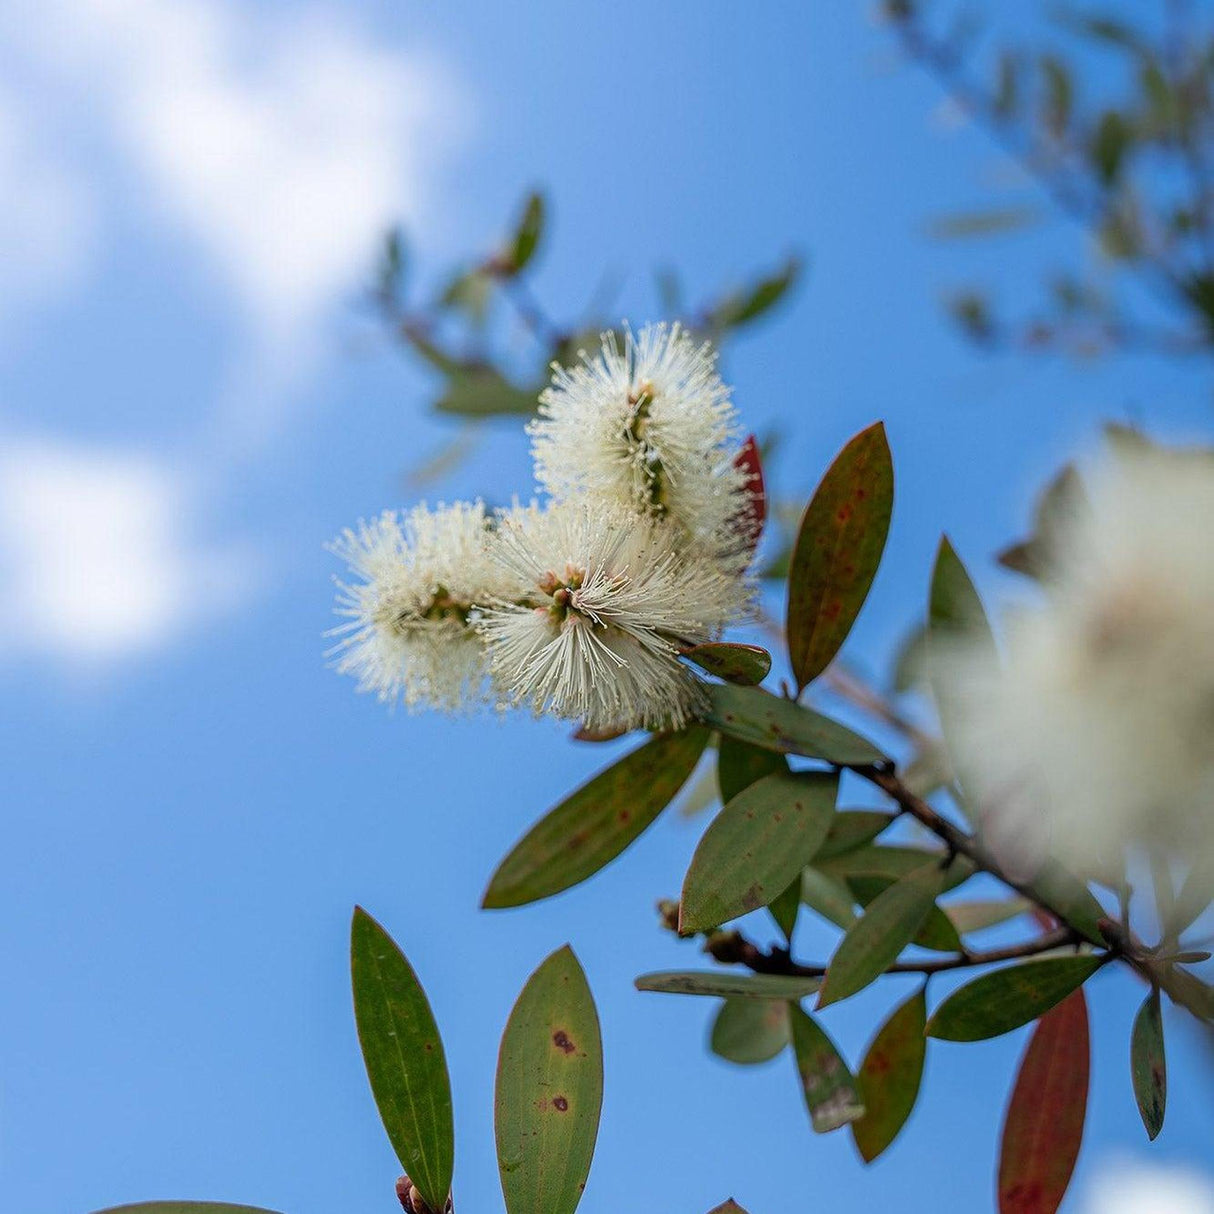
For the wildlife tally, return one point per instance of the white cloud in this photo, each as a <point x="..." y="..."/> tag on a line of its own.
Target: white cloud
<point x="280" y="142"/>
<point x="97" y="559"/>
<point x="1125" y="1187"/>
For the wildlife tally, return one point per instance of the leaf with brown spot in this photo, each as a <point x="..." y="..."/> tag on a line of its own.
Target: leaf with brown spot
<point x="1044" y="1125"/>
<point x="838" y="549"/>
<point x="1148" y="1064"/>
<point x="749" y="1031"/>
<point x="890" y="1076"/>
<point x="830" y="1091"/>
<point x="753" y="715"/>
<point x="746" y="665"/>
<point x="756" y="846"/>
<point x="587" y="830"/>
<point x="549" y="1090"/>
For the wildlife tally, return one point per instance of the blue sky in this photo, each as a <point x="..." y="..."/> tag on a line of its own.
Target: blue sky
<point x="190" y="406"/>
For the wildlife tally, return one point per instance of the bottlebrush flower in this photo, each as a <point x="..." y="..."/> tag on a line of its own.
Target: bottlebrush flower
<point x="609" y="602"/>
<point x="650" y="426"/>
<point x="1098" y="732"/>
<point x="408" y="634"/>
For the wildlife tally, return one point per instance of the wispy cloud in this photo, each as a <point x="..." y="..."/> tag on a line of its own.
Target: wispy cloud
<point x="98" y="555"/>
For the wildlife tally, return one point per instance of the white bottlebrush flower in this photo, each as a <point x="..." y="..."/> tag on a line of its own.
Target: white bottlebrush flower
<point x="609" y="602"/>
<point x="649" y="426"/>
<point x="1097" y="734"/>
<point x="408" y="634"/>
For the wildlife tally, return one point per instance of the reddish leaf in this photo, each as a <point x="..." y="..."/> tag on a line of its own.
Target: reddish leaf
<point x="754" y="514"/>
<point x="1044" y="1125"/>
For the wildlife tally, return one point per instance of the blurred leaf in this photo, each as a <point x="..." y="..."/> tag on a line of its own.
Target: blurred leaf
<point x="972" y="311"/>
<point x="756" y="845"/>
<point x="976" y="916"/>
<point x="549" y="1090"/>
<point x="1054" y="886"/>
<point x="910" y="663"/>
<point x="591" y="827"/>
<point x="470" y="292"/>
<point x="528" y="233"/>
<point x="994" y="222"/>
<point x="1005" y="999"/>
<point x="183" y="1207"/>
<point x="482" y="391"/>
<point x="1148" y="1064"/>
<point x="430" y="352"/>
<point x="830" y="1091"/>
<point x="1111" y="140"/>
<point x="852" y="828"/>
<point x="746" y="665"/>
<point x="1006" y="94"/>
<point x="728" y="1207"/>
<point x="403" y="1054"/>
<point x="1044" y="1125"/>
<point x="753" y="715"/>
<point x="1058" y="95"/>
<point x="890" y="1076"/>
<point x="750" y="1031"/>
<point x="887" y="926"/>
<point x="1061" y="505"/>
<point x="837" y="552"/>
<point x="828" y="896"/>
<point x="935" y="932"/>
<point x="1103" y="29"/>
<point x="725" y="985"/>
<point x="739" y="765"/>
<point x="393" y="262"/>
<point x="747" y="305"/>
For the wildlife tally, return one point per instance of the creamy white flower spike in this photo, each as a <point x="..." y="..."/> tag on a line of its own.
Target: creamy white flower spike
<point x="609" y="603"/>
<point x="1098" y="733"/>
<point x="409" y="634"/>
<point x="649" y="426"/>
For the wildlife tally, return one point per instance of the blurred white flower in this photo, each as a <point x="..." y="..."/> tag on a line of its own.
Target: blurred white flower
<point x="609" y="603"/>
<point x="651" y="427"/>
<point x="408" y="635"/>
<point x="1136" y="1188"/>
<point x="1097" y="732"/>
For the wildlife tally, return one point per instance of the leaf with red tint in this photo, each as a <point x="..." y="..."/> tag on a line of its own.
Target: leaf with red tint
<point x="1044" y="1125"/>
<point x="754" y="514"/>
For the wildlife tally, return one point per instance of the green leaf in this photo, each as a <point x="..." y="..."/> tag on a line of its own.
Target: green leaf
<point x="885" y="929"/>
<point x="482" y="391"/>
<point x="784" y="908"/>
<point x="1059" y="95"/>
<point x="1057" y="888"/>
<point x="1113" y="138"/>
<point x="828" y="896"/>
<point x="725" y="985"/>
<point x="890" y="1076"/>
<point x="1005" y="999"/>
<point x="981" y="914"/>
<point x="403" y="1054"/>
<point x="748" y="305"/>
<point x="853" y="828"/>
<point x="1062" y="503"/>
<point x="755" y="847"/>
<point x="837" y="552"/>
<point x="991" y="222"/>
<point x="183" y="1207"/>
<point x="589" y="829"/>
<point x="830" y="1091"/>
<point x="549" y="1090"/>
<point x="739" y="765"/>
<point x="527" y="235"/>
<point x="753" y="715"/>
<point x="750" y="1031"/>
<point x="744" y="664"/>
<point x="1044" y="1125"/>
<point x="892" y="862"/>
<point x="1148" y="1064"/>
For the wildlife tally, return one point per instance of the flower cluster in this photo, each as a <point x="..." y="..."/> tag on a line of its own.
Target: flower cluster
<point x="1095" y="734"/>
<point x="578" y="606"/>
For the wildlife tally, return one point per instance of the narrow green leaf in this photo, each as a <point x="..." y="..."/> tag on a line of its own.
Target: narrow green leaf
<point x="853" y="828"/>
<point x="1044" y="1125"/>
<point x="747" y="665"/>
<point x="885" y="929"/>
<point x="1005" y="999"/>
<point x="725" y="985"/>
<point x="890" y="1076"/>
<point x="978" y="915"/>
<point x="482" y="391"/>
<point x="785" y="907"/>
<point x="748" y="305"/>
<point x="935" y="932"/>
<point x="830" y="1091"/>
<point x="589" y="829"/>
<point x="892" y="861"/>
<point x="528" y="233"/>
<point x="183" y="1207"/>
<point x="549" y="1090"/>
<point x="828" y="896"/>
<point x="755" y="847"/>
<point x="739" y="765"/>
<point x="403" y="1054"/>
<point x="837" y="552"/>
<point x="1148" y="1064"/>
<point x="750" y="1031"/>
<point x="994" y="222"/>
<point x="753" y="715"/>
